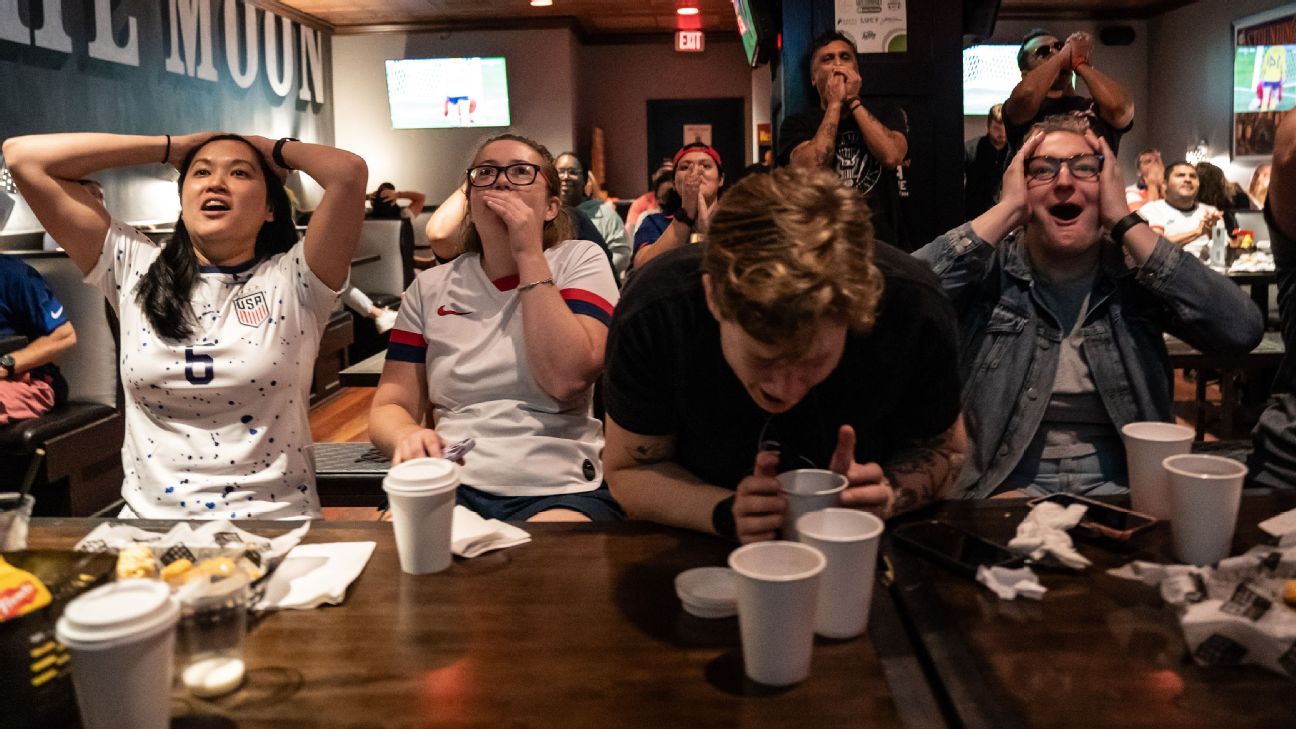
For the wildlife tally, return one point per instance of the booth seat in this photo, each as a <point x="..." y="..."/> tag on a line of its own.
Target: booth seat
<point x="70" y="458"/>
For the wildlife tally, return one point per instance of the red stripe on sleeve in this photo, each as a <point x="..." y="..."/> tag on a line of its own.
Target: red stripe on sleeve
<point x="399" y="336"/>
<point x="588" y="297"/>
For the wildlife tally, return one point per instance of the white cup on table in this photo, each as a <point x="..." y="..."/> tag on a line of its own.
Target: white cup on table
<point x="421" y="496"/>
<point x="122" y="639"/>
<point x="807" y="490"/>
<point x="1205" y="493"/>
<point x="778" y="585"/>
<point x="1147" y="445"/>
<point x="848" y="539"/>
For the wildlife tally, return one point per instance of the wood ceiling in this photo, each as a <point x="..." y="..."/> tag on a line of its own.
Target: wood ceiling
<point x="594" y="18"/>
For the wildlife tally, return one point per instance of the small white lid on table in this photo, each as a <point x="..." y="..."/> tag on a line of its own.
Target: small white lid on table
<point x="708" y="592"/>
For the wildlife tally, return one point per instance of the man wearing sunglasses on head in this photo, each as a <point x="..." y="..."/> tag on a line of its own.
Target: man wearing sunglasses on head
<point x="1063" y="297"/>
<point x="1049" y="68"/>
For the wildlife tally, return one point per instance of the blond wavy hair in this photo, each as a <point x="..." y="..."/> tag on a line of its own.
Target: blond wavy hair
<point x="791" y="249"/>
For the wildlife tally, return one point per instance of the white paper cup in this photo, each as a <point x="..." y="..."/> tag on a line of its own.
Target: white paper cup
<point x="421" y="495"/>
<point x="778" y="583"/>
<point x="1147" y="444"/>
<point x="849" y="541"/>
<point x="1205" y="492"/>
<point x="807" y="490"/>
<point x="122" y="640"/>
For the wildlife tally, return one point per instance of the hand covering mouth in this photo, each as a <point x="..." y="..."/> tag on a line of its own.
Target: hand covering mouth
<point x="1065" y="211"/>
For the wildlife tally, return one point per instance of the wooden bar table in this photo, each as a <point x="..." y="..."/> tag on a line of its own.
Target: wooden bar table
<point x="1096" y="651"/>
<point x="579" y="628"/>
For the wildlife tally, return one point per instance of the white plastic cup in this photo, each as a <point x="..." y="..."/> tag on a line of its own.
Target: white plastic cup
<point x="807" y="490"/>
<point x="1205" y="492"/>
<point x="849" y="541"/>
<point x="421" y="496"/>
<point x="122" y="639"/>
<point x="1147" y="445"/>
<point x="778" y="584"/>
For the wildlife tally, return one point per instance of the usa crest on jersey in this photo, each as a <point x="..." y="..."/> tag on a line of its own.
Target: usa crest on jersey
<point x="252" y="309"/>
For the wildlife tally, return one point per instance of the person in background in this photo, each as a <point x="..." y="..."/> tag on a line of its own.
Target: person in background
<point x="503" y="345"/>
<point x="1258" y="190"/>
<point x="790" y="340"/>
<point x="984" y="160"/>
<point x="574" y="178"/>
<point x="1063" y="297"/>
<point x="1216" y="191"/>
<point x="1049" y="68"/>
<point x="664" y="200"/>
<point x="1273" y="461"/>
<point x="384" y="202"/>
<point x="643" y="204"/>
<point x="96" y="193"/>
<point x="220" y="326"/>
<point x="30" y="384"/>
<point x="698" y="178"/>
<point x="1180" y="216"/>
<point x="863" y="142"/>
<point x="1150" y="185"/>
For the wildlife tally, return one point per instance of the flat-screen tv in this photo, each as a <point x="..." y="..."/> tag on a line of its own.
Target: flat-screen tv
<point x="989" y="74"/>
<point x="436" y="93"/>
<point x="1264" y="86"/>
<point x="757" y="29"/>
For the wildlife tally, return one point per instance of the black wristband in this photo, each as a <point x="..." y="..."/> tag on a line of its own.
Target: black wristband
<point x="722" y="519"/>
<point x="683" y="216"/>
<point x="167" y="155"/>
<point x="1123" y="225"/>
<point x="851" y="103"/>
<point x="277" y="155"/>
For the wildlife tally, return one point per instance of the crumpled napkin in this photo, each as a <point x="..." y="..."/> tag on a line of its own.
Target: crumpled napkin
<point x="210" y="535"/>
<point x="471" y="535"/>
<point x="1043" y="531"/>
<point x="315" y="574"/>
<point x="1009" y="584"/>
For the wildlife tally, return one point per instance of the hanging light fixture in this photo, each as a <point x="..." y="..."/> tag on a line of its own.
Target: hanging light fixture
<point x="687" y="7"/>
<point x="541" y="3"/>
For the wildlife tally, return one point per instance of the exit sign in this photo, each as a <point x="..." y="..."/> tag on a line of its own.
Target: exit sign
<point x="690" y="41"/>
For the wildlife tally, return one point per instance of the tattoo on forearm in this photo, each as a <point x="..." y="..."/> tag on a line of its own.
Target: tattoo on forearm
<point x="923" y="471"/>
<point x="826" y="143"/>
<point x="645" y="454"/>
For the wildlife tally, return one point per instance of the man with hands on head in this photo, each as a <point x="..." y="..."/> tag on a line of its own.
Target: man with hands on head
<point x="1063" y="297"/>
<point x="789" y="331"/>
<point x="1049" y="68"/>
<point x="863" y="142"/>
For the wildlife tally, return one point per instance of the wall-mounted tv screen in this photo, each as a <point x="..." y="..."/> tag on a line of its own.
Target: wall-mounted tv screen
<point x="436" y="93"/>
<point x="1264" y="86"/>
<point x="989" y="74"/>
<point x="756" y="29"/>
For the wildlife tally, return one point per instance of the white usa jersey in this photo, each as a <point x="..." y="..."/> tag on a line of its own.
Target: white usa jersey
<point x="217" y="426"/>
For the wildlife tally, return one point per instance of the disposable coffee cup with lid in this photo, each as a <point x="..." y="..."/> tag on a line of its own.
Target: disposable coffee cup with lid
<point x="420" y="493"/>
<point x="126" y="610"/>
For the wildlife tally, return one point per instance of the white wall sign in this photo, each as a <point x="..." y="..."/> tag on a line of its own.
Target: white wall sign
<point x="876" y="26"/>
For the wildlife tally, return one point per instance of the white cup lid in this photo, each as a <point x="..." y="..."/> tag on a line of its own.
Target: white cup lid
<point x="421" y="476"/>
<point x="118" y="610"/>
<point x="708" y="587"/>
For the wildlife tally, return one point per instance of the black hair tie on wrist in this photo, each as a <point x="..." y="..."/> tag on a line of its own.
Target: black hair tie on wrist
<point x="683" y="216"/>
<point x="722" y="518"/>
<point x="277" y="155"/>
<point x="167" y="155"/>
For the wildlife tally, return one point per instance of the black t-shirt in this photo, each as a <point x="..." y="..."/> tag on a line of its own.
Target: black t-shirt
<point x="666" y="374"/>
<point x="983" y="168"/>
<point x="1273" y="463"/>
<point x="1080" y="105"/>
<point x="854" y="164"/>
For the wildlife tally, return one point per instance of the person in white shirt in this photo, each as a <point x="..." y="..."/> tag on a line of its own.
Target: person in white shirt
<point x="221" y="325"/>
<point x="1179" y="217"/>
<point x="503" y="345"/>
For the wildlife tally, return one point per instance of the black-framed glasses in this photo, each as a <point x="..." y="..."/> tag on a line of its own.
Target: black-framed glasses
<point x="1049" y="49"/>
<point x="518" y="173"/>
<point x="1084" y="166"/>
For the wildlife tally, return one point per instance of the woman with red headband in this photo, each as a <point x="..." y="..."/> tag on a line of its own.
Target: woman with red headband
<point x="697" y="181"/>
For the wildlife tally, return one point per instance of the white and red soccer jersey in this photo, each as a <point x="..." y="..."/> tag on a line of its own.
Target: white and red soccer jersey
<point x="217" y="426"/>
<point x="467" y="331"/>
<point x="1167" y="220"/>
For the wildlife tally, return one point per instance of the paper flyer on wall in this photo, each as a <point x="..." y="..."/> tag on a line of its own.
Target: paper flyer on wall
<point x="876" y="26"/>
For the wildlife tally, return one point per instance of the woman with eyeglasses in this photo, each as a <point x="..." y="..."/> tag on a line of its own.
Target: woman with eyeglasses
<point x="503" y="346"/>
<point x="1063" y="297"/>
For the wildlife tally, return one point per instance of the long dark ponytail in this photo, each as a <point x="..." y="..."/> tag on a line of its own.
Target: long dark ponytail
<point x="163" y="293"/>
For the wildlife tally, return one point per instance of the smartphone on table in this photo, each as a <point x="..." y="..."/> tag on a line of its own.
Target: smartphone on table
<point x="954" y="547"/>
<point x="1101" y="518"/>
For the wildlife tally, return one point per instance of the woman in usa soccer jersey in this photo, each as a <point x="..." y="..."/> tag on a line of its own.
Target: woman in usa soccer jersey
<point x="220" y="326"/>
<point x="503" y="345"/>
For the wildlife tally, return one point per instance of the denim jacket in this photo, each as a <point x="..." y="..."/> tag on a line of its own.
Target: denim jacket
<point x="1009" y="341"/>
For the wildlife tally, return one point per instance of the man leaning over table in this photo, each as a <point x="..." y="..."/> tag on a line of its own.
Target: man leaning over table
<point x="1273" y="462"/>
<point x="788" y="340"/>
<point x="1062" y="319"/>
